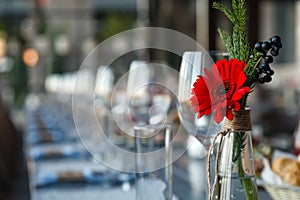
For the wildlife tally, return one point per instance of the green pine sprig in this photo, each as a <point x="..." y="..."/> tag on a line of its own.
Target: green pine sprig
<point x="251" y="68"/>
<point x="239" y="145"/>
<point x="237" y="44"/>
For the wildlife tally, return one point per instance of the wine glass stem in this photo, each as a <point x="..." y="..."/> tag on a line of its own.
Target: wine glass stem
<point x="139" y="178"/>
<point x="168" y="164"/>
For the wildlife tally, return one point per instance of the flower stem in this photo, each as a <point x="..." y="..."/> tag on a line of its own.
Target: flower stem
<point x="248" y="185"/>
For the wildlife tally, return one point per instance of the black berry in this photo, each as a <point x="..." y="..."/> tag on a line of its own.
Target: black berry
<point x="270" y="40"/>
<point x="266" y="46"/>
<point x="265" y="66"/>
<point x="258" y="46"/>
<point x="275" y="48"/>
<point x="274" y="52"/>
<point x="267" y="78"/>
<point x="268" y="59"/>
<point x="279" y="45"/>
<point x="267" y="50"/>
<point x="276" y="39"/>
<point x="270" y="72"/>
<point x="261" y="80"/>
<point x="256" y="75"/>
<point x="259" y="70"/>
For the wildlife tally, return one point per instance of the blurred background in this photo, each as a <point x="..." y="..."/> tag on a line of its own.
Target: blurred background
<point x="42" y="38"/>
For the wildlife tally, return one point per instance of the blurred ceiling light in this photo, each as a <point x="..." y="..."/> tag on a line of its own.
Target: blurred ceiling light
<point x="42" y="3"/>
<point x="42" y="44"/>
<point x="30" y="57"/>
<point x="88" y="45"/>
<point x="62" y="45"/>
<point x="120" y="44"/>
<point x="6" y="64"/>
<point x="3" y="43"/>
<point x="27" y="28"/>
<point x="13" y="46"/>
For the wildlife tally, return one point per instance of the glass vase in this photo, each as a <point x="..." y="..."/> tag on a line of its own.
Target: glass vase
<point x="234" y="167"/>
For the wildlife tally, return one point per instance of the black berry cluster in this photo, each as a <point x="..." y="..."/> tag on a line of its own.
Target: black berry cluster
<point x="272" y="46"/>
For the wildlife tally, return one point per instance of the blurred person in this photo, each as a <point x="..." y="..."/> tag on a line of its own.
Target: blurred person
<point x="8" y="151"/>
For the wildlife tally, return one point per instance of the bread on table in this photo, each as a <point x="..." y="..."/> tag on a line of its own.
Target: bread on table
<point x="288" y="169"/>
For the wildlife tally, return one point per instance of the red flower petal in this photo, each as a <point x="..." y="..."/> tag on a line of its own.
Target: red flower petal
<point x="236" y="106"/>
<point x="200" y="114"/>
<point x="241" y="79"/>
<point x="210" y="78"/>
<point x="218" y="116"/>
<point x="220" y="89"/>
<point x="229" y="114"/>
<point x="217" y="71"/>
<point x="240" y="93"/>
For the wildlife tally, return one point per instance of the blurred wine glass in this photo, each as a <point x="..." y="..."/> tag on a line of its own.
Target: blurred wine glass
<point x="149" y="95"/>
<point x="159" y="180"/>
<point x="104" y="84"/>
<point x="192" y="65"/>
<point x="143" y="96"/>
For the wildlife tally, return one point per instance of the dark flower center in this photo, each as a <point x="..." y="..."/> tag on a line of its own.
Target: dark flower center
<point x="221" y="89"/>
<point x="229" y="88"/>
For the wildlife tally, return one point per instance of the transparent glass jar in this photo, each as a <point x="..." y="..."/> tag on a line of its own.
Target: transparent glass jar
<point x="234" y="173"/>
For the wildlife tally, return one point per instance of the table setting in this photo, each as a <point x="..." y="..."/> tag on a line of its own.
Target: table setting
<point x="154" y="132"/>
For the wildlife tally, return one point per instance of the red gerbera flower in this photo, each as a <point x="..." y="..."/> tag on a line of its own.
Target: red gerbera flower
<point x="220" y="89"/>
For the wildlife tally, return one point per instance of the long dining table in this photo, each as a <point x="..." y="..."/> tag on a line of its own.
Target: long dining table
<point x="60" y="167"/>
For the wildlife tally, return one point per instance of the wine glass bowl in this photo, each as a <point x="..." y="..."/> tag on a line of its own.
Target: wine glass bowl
<point x="139" y="103"/>
<point x="204" y="128"/>
<point x="150" y="90"/>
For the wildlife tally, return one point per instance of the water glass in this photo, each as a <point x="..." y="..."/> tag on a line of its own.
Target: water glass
<point x="153" y="162"/>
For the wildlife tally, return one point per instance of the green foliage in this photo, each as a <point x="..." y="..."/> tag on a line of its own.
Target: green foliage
<point x="237" y="44"/>
<point x="227" y="41"/>
<point x="239" y="145"/>
<point x="225" y="10"/>
<point x="251" y="67"/>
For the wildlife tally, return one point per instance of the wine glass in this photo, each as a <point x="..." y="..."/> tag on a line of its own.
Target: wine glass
<point x="148" y="92"/>
<point x="150" y="89"/>
<point x="204" y="128"/>
<point x="104" y="83"/>
<point x="159" y="180"/>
